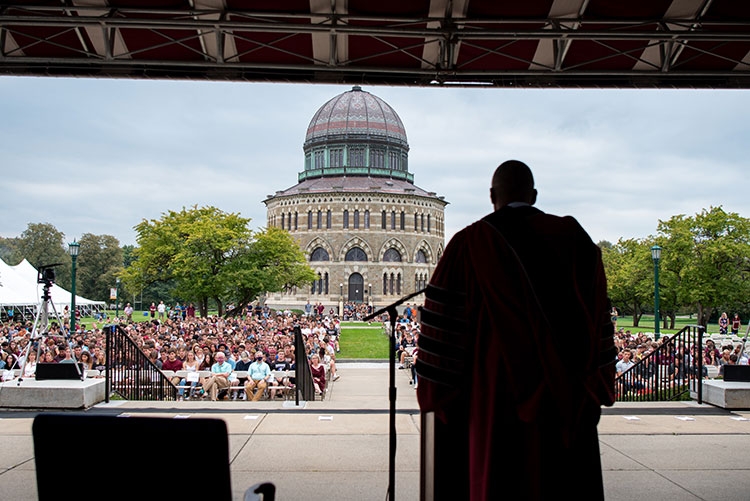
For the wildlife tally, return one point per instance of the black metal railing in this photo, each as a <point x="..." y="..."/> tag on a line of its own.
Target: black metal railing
<point x="129" y="373"/>
<point x="671" y="372"/>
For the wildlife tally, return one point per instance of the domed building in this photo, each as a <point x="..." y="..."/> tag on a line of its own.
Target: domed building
<point x="369" y="233"/>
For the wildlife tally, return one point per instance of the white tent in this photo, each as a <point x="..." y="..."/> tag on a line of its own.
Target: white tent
<point x="20" y="290"/>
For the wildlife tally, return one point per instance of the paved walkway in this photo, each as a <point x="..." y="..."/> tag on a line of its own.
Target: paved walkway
<point x="338" y="449"/>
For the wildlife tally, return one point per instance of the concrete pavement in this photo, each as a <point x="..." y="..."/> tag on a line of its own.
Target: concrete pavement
<point x="337" y="449"/>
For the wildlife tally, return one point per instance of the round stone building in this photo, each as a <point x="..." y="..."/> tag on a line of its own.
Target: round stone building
<point x="369" y="233"/>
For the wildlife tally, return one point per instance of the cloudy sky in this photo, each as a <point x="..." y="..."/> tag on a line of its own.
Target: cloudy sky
<point x="98" y="156"/>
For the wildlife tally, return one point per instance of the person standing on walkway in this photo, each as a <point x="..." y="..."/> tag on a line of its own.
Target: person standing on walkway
<point x="518" y="281"/>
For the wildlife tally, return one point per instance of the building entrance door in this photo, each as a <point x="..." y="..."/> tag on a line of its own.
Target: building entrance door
<point x="356" y="288"/>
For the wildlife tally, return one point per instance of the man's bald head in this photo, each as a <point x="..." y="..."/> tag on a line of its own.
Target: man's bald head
<point x="512" y="182"/>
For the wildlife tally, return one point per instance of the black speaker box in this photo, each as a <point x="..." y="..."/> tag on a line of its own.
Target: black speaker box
<point x="58" y="371"/>
<point x="737" y="373"/>
<point x="127" y="439"/>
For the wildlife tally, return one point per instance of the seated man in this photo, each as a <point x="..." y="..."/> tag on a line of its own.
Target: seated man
<point x="405" y="350"/>
<point x="258" y="375"/>
<point x="280" y="365"/>
<point x="219" y="379"/>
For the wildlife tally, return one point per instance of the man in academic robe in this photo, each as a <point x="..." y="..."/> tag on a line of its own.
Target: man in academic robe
<point x="516" y="353"/>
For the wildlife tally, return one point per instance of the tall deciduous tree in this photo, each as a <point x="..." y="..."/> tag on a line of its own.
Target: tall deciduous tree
<point x="272" y="262"/>
<point x="99" y="262"/>
<point x="629" y="277"/>
<point x="41" y="244"/>
<point x="711" y="253"/>
<point x="210" y="255"/>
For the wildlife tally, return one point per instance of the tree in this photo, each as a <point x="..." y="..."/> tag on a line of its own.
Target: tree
<point x="211" y="255"/>
<point x="41" y="244"/>
<point x="9" y="250"/>
<point x="99" y="262"/>
<point x="712" y="252"/>
<point x="629" y="280"/>
<point x="271" y="263"/>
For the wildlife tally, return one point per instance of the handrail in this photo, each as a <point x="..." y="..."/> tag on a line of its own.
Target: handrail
<point x="669" y="372"/>
<point x="129" y="372"/>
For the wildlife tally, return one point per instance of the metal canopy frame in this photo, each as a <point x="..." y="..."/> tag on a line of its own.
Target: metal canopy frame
<point x="539" y="43"/>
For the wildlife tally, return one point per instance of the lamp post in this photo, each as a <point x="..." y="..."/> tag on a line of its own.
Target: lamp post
<point x="73" y="249"/>
<point x="656" y="255"/>
<point x="117" y="297"/>
<point x="341" y="300"/>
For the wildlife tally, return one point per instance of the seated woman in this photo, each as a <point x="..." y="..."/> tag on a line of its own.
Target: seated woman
<point x="29" y="370"/>
<point x="86" y="360"/>
<point x="318" y="373"/>
<point x="190" y="365"/>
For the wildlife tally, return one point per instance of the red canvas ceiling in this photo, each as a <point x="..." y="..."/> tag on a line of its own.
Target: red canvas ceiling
<point x="537" y="43"/>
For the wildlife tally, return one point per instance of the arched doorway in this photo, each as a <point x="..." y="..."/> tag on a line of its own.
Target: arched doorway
<point x="356" y="288"/>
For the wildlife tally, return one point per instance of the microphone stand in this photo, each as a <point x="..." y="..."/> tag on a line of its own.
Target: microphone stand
<point x="392" y="316"/>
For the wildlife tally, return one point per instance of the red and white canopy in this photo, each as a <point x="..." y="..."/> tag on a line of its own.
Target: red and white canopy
<point x="538" y="43"/>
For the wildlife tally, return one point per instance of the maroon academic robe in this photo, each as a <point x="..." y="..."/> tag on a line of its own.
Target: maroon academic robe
<point x="516" y="355"/>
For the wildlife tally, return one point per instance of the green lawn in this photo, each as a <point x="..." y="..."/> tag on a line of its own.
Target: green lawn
<point x="359" y="340"/>
<point x="646" y="324"/>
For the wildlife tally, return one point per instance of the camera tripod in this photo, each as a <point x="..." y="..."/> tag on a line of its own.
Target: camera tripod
<point x="40" y="329"/>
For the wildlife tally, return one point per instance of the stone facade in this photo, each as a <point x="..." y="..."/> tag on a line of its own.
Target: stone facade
<point x="369" y="233"/>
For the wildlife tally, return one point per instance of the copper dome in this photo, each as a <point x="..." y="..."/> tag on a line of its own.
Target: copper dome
<point x="356" y="115"/>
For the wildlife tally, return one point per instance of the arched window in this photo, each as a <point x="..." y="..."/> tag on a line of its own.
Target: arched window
<point x="319" y="220"/>
<point x="283" y="218"/>
<point x="403" y="221"/>
<point x="420" y="281"/>
<point x="367" y="219"/>
<point x="357" y="157"/>
<point x="319" y="254"/>
<point x="356" y="219"/>
<point x="328" y="219"/>
<point x="317" y="285"/>
<point x="320" y="159"/>
<point x="355" y="254"/>
<point x="377" y="157"/>
<point x="309" y="220"/>
<point x="336" y="157"/>
<point x="394" y="160"/>
<point x="346" y="219"/>
<point x="392" y="256"/>
<point x="421" y="257"/>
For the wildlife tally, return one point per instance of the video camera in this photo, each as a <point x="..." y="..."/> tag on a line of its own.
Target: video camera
<point x="46" y="274"/>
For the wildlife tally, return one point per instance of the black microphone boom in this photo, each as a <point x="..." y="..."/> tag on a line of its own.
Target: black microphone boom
<point x="393" y="305"/>
<point x="393" y="315"/>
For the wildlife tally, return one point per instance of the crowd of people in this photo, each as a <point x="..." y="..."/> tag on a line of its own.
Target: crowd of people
<point x="262" y="340"/>
<point x="258" y="342"/>
<point x="678" y="362"/>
